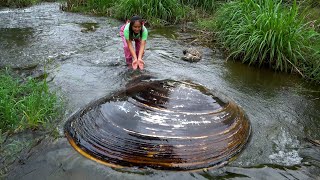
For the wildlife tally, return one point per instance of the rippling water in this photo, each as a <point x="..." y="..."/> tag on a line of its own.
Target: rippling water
<point x="86" y="66"/>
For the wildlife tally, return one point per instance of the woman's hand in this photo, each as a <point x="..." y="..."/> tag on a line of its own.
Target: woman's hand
<point x="137" y="63"/>
<point x="140" y="64"/>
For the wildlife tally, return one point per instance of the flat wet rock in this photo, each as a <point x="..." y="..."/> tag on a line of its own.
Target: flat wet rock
<point x="162" y="124"/>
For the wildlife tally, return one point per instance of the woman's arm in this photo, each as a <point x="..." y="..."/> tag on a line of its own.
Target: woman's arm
<point x="141" y="50"/>
<point x="131" y="49"/>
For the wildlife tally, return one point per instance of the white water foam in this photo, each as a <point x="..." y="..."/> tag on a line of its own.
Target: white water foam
<point x="286" y="150"/>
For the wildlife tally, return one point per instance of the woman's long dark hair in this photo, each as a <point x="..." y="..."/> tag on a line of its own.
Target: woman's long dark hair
<point x="132" y="21"/>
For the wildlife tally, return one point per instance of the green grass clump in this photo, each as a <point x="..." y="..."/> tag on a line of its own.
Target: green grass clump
<point x="153" y="10"/>
<point x="17" y="3"/>
<point x="101" y="7"/>
<point x="264" y="32"/>
<point x="27" y="104"/>
<point x="204" y="5"/>
<point x="311" y="68"/>
<point x="156" y="12"/>
<point x="311" y="10"/>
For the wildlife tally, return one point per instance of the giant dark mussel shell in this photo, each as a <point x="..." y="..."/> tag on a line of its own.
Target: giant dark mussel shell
<point x="161" y="124"/>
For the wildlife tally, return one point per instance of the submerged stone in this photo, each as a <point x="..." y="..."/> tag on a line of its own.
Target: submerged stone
<point x="162" y="124"/>
<point x="191" y="55"/>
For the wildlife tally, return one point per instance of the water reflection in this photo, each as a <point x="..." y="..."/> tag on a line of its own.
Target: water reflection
<point x="163" y="124"/>
<point x="15" y="37"/>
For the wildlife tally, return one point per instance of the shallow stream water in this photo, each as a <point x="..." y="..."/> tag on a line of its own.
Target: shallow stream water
<point x="87" y="65"/>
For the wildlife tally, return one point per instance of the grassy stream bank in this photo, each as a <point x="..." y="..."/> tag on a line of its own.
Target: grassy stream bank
<point x="283" y="35"/>
<point x="26" y="105"/>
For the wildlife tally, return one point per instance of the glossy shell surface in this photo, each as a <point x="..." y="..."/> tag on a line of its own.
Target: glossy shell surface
<point x="162" y="124"/>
